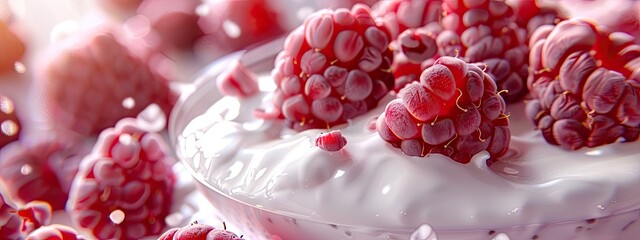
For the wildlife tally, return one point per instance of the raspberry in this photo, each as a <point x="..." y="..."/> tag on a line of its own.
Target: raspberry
<point x="585" y="83"/>
<point x="333" y="68"/>
<point x="123" y="188"/>
<point x="42" y="168"/>
<point x="485" y="31"/>
<point x="12" y="48"/>
<point x="100" y="72"/>
<point x="419" y="44"/>
<point x="197" y="231"/>
<point x="55" y="232"/>
<point x="331" y="141"/>
<point x="237" y="81"/>
<point x="231" y="25"/>
<point x="9" y="123"/>
<point x="454" y="110"/>
<point x="175" y="23"/>
<point x="400" y="15"/>
<point x="9" y="221"/>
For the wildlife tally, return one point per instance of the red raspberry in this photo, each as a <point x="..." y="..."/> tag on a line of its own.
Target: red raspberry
<point x="196" y="231"/>
<point x="585" y="83"/>
<point x="485" y="31"/>
<point x="400" y="15"/>
<point x="42" y="168"/>
<point x="617" y="16"/>
<point x="55" y="232"/>
<point x="123" y="188"/>
<point x="454" y="110"/>
<point x="9" y="221"/>
<point x="331" y="141"/>
<point x="231" y="25"/>
<point x="92" y="84"/>
<point x="34" y="215"/>
<point x="12" y="48"/>
<point x="333" y="68"/>
<point x="9" y="123"/>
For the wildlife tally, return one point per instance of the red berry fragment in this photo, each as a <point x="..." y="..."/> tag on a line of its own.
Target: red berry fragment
<point x="331" y="141"/>
<point x="123" y="188"/>
<point x="97" y="81"/>
<point x="12" y="48"/>
<point x="444" y="113"/>
<point x="584" y="85"/>
<point x="485" y="32"/>
<point x="9" y="123"/>
<point x="9" y="221"/>
<point x="237" y="81"/>
<point x="42" y="168"/>
<point x="55" y="232"/>
<point x="34" y="215"/>
<point x="332" y="69"/>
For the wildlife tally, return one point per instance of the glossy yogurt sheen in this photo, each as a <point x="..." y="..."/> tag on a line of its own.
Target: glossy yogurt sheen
<point x="370" y="183"/>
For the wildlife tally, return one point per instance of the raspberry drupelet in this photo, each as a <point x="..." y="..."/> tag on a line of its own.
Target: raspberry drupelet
<point x="584" y="81"/>
<point x="332" y="69"/>
<point x="454" y="110"/>
<point x="198" y="231"/>
<point x="123" y="189"/>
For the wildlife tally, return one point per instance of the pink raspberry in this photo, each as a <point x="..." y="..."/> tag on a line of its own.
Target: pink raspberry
<point x="333" y="68"/>
<point x="9" y="123"/>
<point x="10" y="222"/>
<point x="453" y="110"/>
<point x="584" y="81"/>
<point x="55" y="232"/>
<point x="90" y="85"/>
<point x="197" y="231"/>
<point x="231" y="25"/>
<point x="42" y="168"/>
<point x="400" y="15"/>
<point x="237" y="81"/>
<point x="12" y="48"/>
<point x="485" y="31"/>
<point x="123" y="188"/>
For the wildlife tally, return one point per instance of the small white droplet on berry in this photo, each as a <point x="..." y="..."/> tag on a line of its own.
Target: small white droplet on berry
<point x="26" y="169"/>
<point x="128" y="103"/>
<point x="19" y="67"/>
<point x="9" y="128"/>
<point x="231" y="28"/>
<point x="117" y="216"/>
<point x="125" y="139"/>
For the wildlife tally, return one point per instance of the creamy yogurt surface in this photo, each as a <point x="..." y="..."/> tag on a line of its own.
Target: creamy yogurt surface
<point x="371" y="183"/>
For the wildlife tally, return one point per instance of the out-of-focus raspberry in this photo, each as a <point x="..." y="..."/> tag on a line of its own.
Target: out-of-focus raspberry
<point x="123" y="188"/>
<point x="400" y="15"/>
<point x="584" y="80"/>
<point x="42" y="168"/>
<point x="173" y="24"/>
<point x="94" y="80"/>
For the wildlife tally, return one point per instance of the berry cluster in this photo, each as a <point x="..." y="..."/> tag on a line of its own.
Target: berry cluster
<point x="9" y="123"/>
<point x="123" y="188"/>
<point x="199" y="231"/>
<point x="42" y="169"/>
<point x="89" y="86"/>
<point x="585" y="83"/>
<point x="332" y="69"/>
<point x="454" y="110"/>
